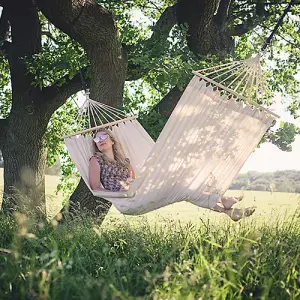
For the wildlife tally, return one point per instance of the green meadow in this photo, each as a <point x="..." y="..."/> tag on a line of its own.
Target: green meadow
<point x="177" y="252"/>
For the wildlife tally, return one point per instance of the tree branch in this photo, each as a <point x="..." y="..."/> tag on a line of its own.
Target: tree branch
<point x="49" y="35"/>
<point x="260" y="16"/>
<point x="165" y="23"/>
<point x="222" y="12"/>
<point x="76" y="18"/>
<point x="166" y="106"/>
<point x="25" y="30"/>
<point x="279" y="35"/>
<point x="54" y="96"/>
<point x="155" y="6"/>
<point x="26" y="41"/>
<point x="102" y="43"/>
<point x="204" y="34"/>
<point x="161" y="29"/>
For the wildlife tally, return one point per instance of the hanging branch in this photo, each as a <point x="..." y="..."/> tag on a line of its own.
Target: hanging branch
<point x="49" y="35"/>
<point x="269" y="39"/>
<point x="54" y="96"/>
<point x="282" y="37"/>
<point x="222" y="13"/>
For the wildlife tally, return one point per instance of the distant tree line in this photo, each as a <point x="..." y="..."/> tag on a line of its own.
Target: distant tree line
<point x="280" y="181"/>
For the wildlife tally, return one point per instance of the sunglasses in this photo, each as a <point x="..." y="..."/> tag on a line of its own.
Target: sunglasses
<point x="101" y="138"/>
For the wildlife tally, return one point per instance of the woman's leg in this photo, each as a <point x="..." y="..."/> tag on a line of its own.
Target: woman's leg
<point x="228" y="202"/>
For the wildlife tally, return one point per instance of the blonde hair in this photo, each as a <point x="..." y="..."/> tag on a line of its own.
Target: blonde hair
<point x="117" y="147"/>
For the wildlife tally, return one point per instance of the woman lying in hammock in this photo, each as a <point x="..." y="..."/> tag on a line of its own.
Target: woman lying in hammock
<point x="110" y="171"/>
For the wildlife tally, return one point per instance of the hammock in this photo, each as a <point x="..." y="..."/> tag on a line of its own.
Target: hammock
<point x="212" y="131"/>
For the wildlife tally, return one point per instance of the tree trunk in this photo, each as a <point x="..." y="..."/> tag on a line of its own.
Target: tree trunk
<point x="24" y="155"/>
<point x="22" y="136"/>
<point x="83" y="202"/>
<point x="106" y="86"/>
<point x="206" y="30"/>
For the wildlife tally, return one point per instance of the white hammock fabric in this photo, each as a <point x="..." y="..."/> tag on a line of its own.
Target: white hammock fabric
<point x="201" y="149"/>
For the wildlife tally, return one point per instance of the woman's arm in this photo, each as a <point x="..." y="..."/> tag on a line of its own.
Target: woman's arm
<point x="94" y="174"/>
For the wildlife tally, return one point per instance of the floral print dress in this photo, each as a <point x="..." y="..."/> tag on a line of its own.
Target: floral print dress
<point x="113" y="173"/>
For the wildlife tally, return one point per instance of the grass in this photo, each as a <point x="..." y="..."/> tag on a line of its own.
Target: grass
<point x="177" y="252"/>
<point x="123" y="260"/>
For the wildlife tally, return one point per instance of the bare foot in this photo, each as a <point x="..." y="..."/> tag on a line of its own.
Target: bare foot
<point x="228" y="202"/>
<point x="237" y="214"/>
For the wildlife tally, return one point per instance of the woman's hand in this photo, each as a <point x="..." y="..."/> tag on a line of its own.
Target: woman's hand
<point x="125" y="185"/>
<point x="105" y="190"/>
<point x="101" y="189"/>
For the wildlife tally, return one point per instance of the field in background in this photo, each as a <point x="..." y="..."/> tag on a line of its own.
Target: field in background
<point x="268" y="204"/>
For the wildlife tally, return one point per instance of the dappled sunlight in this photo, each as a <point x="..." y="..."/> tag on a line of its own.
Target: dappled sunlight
<point x="198" y="154"/>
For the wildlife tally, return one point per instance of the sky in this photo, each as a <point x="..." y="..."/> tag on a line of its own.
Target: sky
<point x="269" y="158"/>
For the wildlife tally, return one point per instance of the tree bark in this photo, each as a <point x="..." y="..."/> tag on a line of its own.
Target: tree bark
<point x="205" y="34"/>
<point x="83" y="202"/>
<point x="167" y="104"/>
<point x="24" y="157"/>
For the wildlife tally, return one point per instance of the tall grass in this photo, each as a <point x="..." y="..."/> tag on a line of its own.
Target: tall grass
<point x="123" y="260"/>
